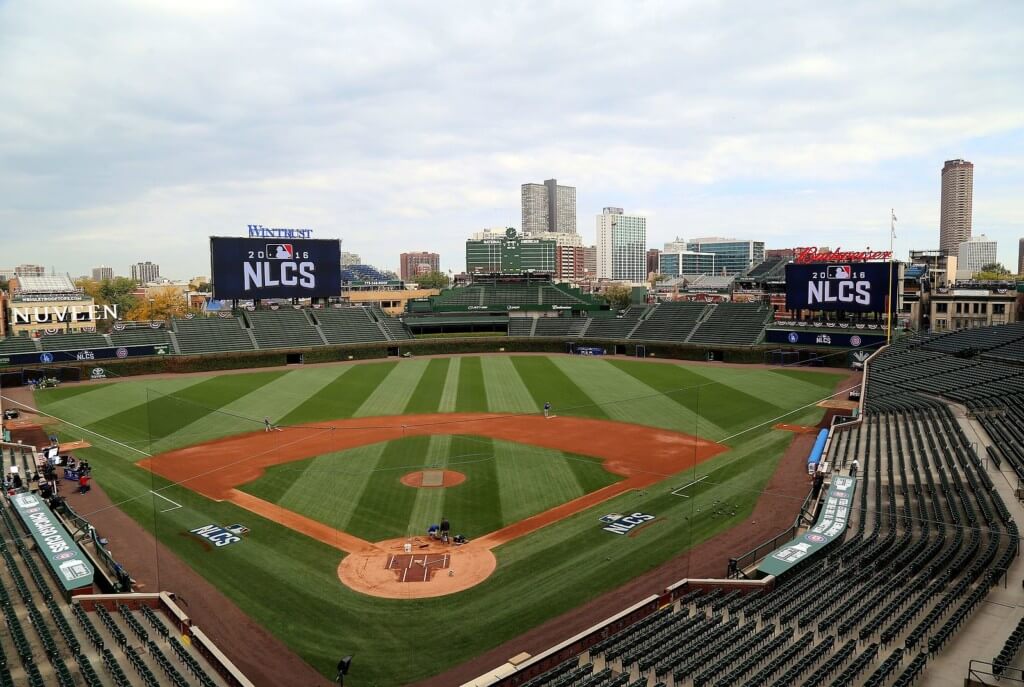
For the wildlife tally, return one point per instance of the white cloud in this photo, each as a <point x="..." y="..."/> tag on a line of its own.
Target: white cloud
<point x="134" y="131"/>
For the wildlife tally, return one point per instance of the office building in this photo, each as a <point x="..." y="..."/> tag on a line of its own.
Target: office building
<point x="652" y="260"/>
<point x="102" y="273"/>
<point x="413" y="265"/>
<point x="30" y="271"/>
<point x="510" y="254"/>
<point x="569" y="263"/>
<point x="145" y="272"/>
<point x="686" y="262"/>
<point x="548" y="207"/>
<point x="348" y="259"/>
<point x="1020" y="257"/>
<point x="732" y="256"/>
<point x="676" y="246"/>
<point x="590" y="261"/>
<point x="621" y="246"/>
<point x="975" y="253"/>
<point x="957" y="200"/>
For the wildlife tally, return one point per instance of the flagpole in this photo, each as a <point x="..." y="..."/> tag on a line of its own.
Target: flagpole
<point x="889" y="301"/>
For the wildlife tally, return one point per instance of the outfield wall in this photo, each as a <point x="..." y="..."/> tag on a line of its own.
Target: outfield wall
<point x="208" y="362"/>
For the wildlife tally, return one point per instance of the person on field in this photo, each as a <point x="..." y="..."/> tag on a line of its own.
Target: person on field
<point x="445" y="529"/>
<point x="266" y="424"/>
<point x="853" y="467"/>
<point x="547" y="408"/>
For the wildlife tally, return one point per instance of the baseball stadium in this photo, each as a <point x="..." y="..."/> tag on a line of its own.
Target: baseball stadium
<point x="512" y="484"/>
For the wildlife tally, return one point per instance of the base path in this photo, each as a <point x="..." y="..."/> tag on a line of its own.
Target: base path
<point x="642" y="455"/>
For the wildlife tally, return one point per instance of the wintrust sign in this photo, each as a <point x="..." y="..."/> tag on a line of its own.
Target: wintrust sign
<point x="258" y="231"/>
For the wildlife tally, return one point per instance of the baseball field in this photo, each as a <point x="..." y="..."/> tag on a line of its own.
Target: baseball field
<point x="364" y="456"/>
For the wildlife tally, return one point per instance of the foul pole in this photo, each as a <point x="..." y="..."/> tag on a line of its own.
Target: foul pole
<point x="888" y="308"/>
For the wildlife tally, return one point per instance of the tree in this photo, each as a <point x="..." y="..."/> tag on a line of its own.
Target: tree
<point x="204" y="287"/>
<point x="116" y="292"/>
<point x="161" y="305"/>
<point x="993" y="271"/>
<point x="433" y="280"/>
<point x="618" y="295"/>
<point x="4" y="285"/>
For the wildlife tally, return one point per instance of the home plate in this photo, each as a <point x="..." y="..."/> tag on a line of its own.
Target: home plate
<point x="433" y="478"/>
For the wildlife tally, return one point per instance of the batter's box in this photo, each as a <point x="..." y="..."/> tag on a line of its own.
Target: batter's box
<point x="417" y="567"/>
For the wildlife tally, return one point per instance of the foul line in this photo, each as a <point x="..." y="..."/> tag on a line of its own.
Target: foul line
<point x="167" y="510"/>
<point x="687" y="486"/>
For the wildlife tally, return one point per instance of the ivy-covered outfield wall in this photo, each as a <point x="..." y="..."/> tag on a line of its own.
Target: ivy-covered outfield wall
<point x="207" y="362"/>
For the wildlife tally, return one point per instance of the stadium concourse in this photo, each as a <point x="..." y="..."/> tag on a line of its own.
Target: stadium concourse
<point x="903" y="569"/>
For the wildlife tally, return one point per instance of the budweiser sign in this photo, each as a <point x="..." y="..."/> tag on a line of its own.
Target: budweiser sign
<point x="809" y="255"/>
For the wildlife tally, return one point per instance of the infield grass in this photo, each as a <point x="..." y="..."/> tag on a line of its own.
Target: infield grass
<point x="288" y="582"/>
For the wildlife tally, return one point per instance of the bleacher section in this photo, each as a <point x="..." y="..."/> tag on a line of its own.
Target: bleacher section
<point x="139" y="336"/>
<point x="17" y="344"/>
<point x="673" y="321"/>
<point x="50" y="642"/>
<point x="212" y="335"/>
<point x="285" y="328"/>
<point x="733" y="324"/>
<point x="349" y="325"/>
<point x="364" y="273"/>
<point x="613" y="327"/>
<point x="977" y="340"/>
<point x="930" y="538"/>
<point x="393" y="327"/>
<point x="73" y="342"/>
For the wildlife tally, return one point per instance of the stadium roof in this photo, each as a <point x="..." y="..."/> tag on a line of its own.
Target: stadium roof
<point x="47" y="284"/>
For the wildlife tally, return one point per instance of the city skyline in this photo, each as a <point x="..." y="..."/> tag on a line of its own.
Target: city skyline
<point x="814" y="141"/>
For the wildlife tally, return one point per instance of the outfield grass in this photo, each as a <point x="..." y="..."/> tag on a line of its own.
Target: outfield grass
<point x="288" y="582"/>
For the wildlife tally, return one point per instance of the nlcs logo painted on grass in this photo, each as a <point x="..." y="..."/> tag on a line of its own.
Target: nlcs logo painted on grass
<point x="622" y="524"/>
<point x="218" y="535"/>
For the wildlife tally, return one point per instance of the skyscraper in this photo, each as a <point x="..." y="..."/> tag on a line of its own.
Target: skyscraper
<point x="1020" y="257"/>
<point x="102" y="273"/>
<point x="413" y="265"/>
<point x="957" y="201"/>
<point x="732" y="256"/>
<point x="548" y="207"/>
<point x="621" y="246"/>
<point x="144" y="272"/>
<point x="975" y="253"/>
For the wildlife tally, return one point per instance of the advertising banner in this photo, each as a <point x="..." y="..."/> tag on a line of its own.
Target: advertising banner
<point x="68" y="562"/>
<point x="256" y="268"/>
<point x="107" y="353"/>
<point x="850" y="287"/>
<point x="840" y="338"/>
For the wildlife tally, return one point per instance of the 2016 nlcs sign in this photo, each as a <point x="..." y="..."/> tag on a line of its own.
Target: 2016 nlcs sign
<point x="854" y="287"/>
<point x="254" y="269"/>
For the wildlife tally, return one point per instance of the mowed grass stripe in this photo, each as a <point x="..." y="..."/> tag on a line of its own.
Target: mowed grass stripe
<point x="506" y="392"/>
<point x="548" y="384"/>
<point x="532" y="479"/>
<point x="473" y="507"/>
<point x="450" y="393"/>
<point x="326" y="488"/>
<point x="107" y="400"/>
<point x="245" y="414"/>
<point x="385" y="507"/>
<point x="164" y="414"/>
<point x="392" y="394"/>
<point x="426" y="398"/>
<point x="342" y="397"/>
<point x="725" y="407"/>
<point x="590" y="473"/>
<point x="428" y="504"/>
<point x="472" y="391"/>
<point x="766" y="384"/>
<point x="626" y="399"/>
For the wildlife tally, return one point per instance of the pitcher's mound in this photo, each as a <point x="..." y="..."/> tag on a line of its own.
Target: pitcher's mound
<point x="433" y="478"/>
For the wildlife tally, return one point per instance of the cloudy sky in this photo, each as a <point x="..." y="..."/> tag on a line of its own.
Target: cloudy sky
<point x="134" y="130"/>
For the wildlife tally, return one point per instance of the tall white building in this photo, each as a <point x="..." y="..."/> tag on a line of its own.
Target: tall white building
<point x="975" y="253"/>
<point x="145" y="272"/>
<point x="102" y="273"/>
<point x="621" y="246"/>
<point x="957" y="205"/>
<point x="676" y="246"/>
<point x="549" y="207"/>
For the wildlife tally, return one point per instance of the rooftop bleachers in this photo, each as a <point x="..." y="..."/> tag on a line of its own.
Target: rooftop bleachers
<point x="17" y="344"/>
<point x="73" y="342"/>
<point x="732" y="324"/>
<point x="348" y="325"/>
<point x="212" y="335"/>
<point x="284" y="328"/>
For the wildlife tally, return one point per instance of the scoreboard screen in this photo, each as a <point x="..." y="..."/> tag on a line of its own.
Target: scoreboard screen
<point x="244" y="268"/>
